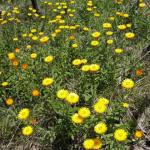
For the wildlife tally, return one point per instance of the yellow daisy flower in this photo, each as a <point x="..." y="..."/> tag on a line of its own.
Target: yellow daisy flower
<point x="62" y="94"/>
<point x="120" y="135"/>
<point x="27" y="131"/>
<point x="23" y="114"/>
<point x="47" y="81"/>
<point x="127" y="83"/>
<point x="84" y="112"/>
<point x="77" y="119"/>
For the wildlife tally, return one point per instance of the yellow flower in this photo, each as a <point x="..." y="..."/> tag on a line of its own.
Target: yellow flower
<point x="33" y="30"/>
<point x="84" y="61"/>
<point x="142" y="5"/>
<point x="138" y="134"/>
<point x="9" y="101"/>
<point x="100" y="108"/>
<point x="129" y="35"/>
<point x="129" y="25"/>
<point x="112" y="18"/>
<point x="71" y="15"/>
<point x="61" y="21"/>
<point x="84" y="112"/>
<point x="121" y="27"/>
<point x="89" y="9"/>
<point x="109" y="33"/>
<point x="120" y="135"/>
<point x="88" y="144"/>
<point x="85" y="68"/>
<point x="76" y="62"/>
<point x="41" y="33"/>
<point x="28" y="130"/>
<point x="43" y="17"/>
<point x="107" y="25"/>
<point x="125" y="105"/>
<point x="23" y="114"/>
<point x="72" y="37"/>
<point x="30" y="34"/>
<point x="62" y="12"/>
<point x="96" y="34"/>
<point x="29" y="14"/>
<point x="94" y="43"/>
<point x="62" y="94"/>
<point x="24" y="35"/>
<point x="89" y="4"/>
<point x="100" y="128"/>
<point x="33" y="55"/>
<point x="96" y="14"/>
<point x="74" y="45"/>
<point x="77" y="119"/>
<point x="94" y="67"/>
<point x="72" y="98"/>
<point x="47" y="81"/>
<point x="57" y="30"/>
<point x="34" y="38"/>
<point x="97" y="144"/>
<point x="58" y="17"/>
<point x="28" y="46"/>
<point x="53" y="35"/>
<point x="109" y="42"/>
<point x="11" y="56"/>
<point x="127" y="83"/>
<point x="48" y="59"/>
<point x="4" y="84"/>
<point x="44" y="39"/>
<point x="34" y="11"/>
<point x="86" y="29"/>
<point x="3" y="22"/>
<point x="126" y="15"/>
<point x="103" y="101"/>
<point x="15" y="39"/>
<point x="118" y="50"/>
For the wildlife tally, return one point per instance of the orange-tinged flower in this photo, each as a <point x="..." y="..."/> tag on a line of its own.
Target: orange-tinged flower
<point x="15" y="62"/>
<point x="138" y="134"/>
<point x="139" y="72"/>
<point x="35" y="92"/>
<point x="9" y="101"/>
<point x="97" y="144"/>
<point x="25" y="66"/>
<point x="17" y="50"/>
